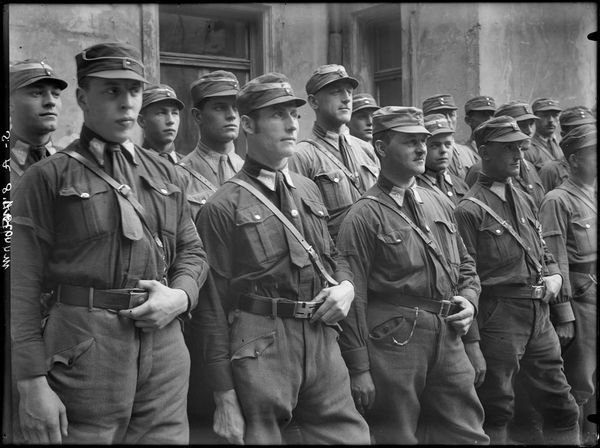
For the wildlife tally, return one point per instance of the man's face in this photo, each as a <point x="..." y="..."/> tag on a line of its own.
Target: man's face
<point x="548" y="122"/>
<point x="160" y="122"/>
<point x="476" y="117"/>
<point x="439" y="152"/>
<point x="450" y="114"/>
<point x="111" y="106"/>
<point x="34" y="109"/>
<point x="587" y="163"/>
<point x="272" y="133"/>
<point x="405" y="153"/>
<point x="504" y="159"/>
<point x="361" y="125"/>
<point x="527" y="126"/>
<point x="334" y="103"/>
<point x="218" y="119"/>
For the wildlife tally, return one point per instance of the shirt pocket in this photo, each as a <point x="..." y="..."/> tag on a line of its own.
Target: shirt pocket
<point x="315" y="229"/>
<point x="261" y="236"/>
<point x="584" y="234"/>
<point x="399" y="252"/>
<point x="161" y="205"/>
<point x="85" y="211"/>
<point x="335" y="188"/>
<point x="448" y="240"/>
<point x="497" y="246"/>
<point x="197" y="201"/>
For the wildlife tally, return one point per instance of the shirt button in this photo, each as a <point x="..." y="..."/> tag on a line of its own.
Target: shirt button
<point x="523" y="220"/>
<point x="587" y="226"/>
<point x="530" y="186"/>
<point x="498" y="231"/>
<point x="203" y="201"/>
<point x="449" y="193"/>
<point x="321" y="212"/>
<point x="427" y="228"/>
<point x="163" y="191"/>
<point x="257" y="217"/>
<point x="397" y="240"/>
<point x="336" y="179"/>
<point x="85" y="195"/>
<point x="294" y="213"/>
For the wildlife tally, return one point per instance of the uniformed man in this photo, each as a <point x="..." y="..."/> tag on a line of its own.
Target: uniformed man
<point x="544" y="144"/>
<point x="554" y="173"/>
<point x="569" y="217"/>
<point x="439" y="149"/>
<point x="104" y="225"/>
<point x="462" y="156"/>
<point x="214" y="159"/>
<point x="159" y="119"/>
<point x="339" y="164"/>
<point x="416" y="294"/>
<point x="478" y="110"/>
<point x="519" y="279"/>
<point x="279" y="358"/>
<point x="361" y="123"/>
<point x="35" y="105"/>
<point x="528" y="179"/>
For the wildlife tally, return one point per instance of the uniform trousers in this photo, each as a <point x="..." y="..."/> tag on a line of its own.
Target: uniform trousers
<point x="424" y="382"/>
<point x="288" y="369"/>
<point x="118" y="384"/>
<point x="516" y="334"/>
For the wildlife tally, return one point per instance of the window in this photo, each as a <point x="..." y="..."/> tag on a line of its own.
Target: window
<point x="197" y="39"/>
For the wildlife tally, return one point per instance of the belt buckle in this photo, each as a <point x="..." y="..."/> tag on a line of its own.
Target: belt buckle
<point x="305" y="310"/>
<point x="137" y="297"/>
<point x="445" y="308"/>
<point x="538" y="291"/>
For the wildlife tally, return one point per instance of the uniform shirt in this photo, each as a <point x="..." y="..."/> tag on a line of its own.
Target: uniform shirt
<point x="501" y="261"/>
<point x="67" y="230"/>
<point x="338" y="192"/>
<point x="569" y="217"/>
<point x="19" y="157"/>
<point x="542" y="151"/>
<point x="248" y="252"/>
<point x="527" y="181"/>
<point x="462" y="159"/>
<point x="387" y="257"/>
<point x="554" y="173"/>
<point x="451" y="186"/>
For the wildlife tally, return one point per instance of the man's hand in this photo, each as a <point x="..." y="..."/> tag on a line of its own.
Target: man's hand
<point x="477" y="361"/>
<point x="565" y="332"/>
<point x="462" y="320"/>
<point x="363" y="391"/>
<point x="163" y="305"/>
<point x="553" y="284"/>
<point x="42" y="415"/>
<point x="228" y="419"/>
<point x="336" y="305"/>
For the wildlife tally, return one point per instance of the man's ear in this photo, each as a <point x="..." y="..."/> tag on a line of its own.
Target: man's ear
<point x="380" y="148"/>
<point x="197" y="114"/>
<point x="141" y="121"/>
<point x="313" y="102"/>
<point x="248" y="124"/>
<point x="81" y="96"/>
<point x="483" y="152"/>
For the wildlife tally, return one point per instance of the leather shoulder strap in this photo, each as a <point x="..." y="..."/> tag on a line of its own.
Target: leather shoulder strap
<point x="583" y="199"/>
<point x="314" y="256"/>
<point x="504" y="223"/>
<point x="208" y="184"/>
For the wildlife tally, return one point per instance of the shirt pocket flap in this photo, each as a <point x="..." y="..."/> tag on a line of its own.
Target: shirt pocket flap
<point x="316" y="208"/>
<point x="199" y="198"/>
<point x="253" y="214"/>
<point x="393" y="237"/>
<point x="160" y="186"/>
<point x="450" y="226"/>
<point x="583" y="223"/>
<point x="84" y="191"/>
<point x="332" y="176"/>
<point x="494" y="229"/>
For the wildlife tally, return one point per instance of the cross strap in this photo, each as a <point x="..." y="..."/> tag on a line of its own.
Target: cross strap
<point x="338" y="163"/>
<point x="582" y="197"/>
<point x="430" y="243"/>
<point x="313" y="255"/>
<point x="425" y="179"/>
<point x="504" y="223"/>
<point x="198" y="176"/>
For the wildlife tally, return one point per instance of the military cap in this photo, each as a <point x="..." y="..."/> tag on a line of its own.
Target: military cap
<point x="480" y="103"/>
<point x="519" y="110"/>
<point x="437" y="124"/>
<point x="363" y="101"/>
<point x="326" y="74"/>
<point x="502" y="129"/>
<point x="112" y="60"/>
<point x="217" y="83"/>
<point x="24" y="73"/>
<point x="581" y="137"/>
<point x="399" y="119"/>
<point x="544" y="104"/>
<point x="577" y="115"/>
<point x="438" y="102"/>
<point x="266" y="90"/>
<point x="160" y="92"/>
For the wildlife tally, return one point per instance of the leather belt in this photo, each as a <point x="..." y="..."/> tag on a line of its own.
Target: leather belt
<point x="113" y="299"/>
<point x="583" y="268"/>
<point x="267" y="306"/>
<point x="515" y="292"/>
<point x="440" y="307"/>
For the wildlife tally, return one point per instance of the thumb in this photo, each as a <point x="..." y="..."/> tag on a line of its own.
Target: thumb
<point x="64" y="423"/>
<point x="147" y="284"/>
<point x="137" y="312"/>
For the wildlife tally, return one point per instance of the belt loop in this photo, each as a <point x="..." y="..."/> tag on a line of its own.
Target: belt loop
<point x="58" y="294"/>
<point x="273" y="308"/>
<point x="91" y="299"/>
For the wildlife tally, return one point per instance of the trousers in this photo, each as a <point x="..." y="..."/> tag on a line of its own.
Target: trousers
<point x="286" y="370"/>
<point x="424" y="381"/>
<point x="118" y="384"/>
<point x="517" y="335"/>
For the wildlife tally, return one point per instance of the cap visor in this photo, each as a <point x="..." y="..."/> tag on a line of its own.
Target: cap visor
<point x="283" y="99"/>
<point x="547" y="108"/>
<point x="222" y="93"/>
<point x="441" y="108"/>
<point x="353" y="82"/>
<point x="366" y="107"/>
<point x="61" y="83"/>
<point x="180" y="105"/>
<point x="512" y="137"/>
<point x="491" y="108"/>
<point x="527" y="117"/>
<point x="442" y="131"/>
<point x="411" y="130"/>
<point x="586" y="120"/>
<point x="119" y="74"/>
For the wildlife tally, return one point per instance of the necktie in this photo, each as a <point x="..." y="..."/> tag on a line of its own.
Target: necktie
<point x="225" y="172"/>
<point x="36" y="153"/>
<point x="165" y="155"/>
<point x="416" y="209"/>
<point x="345" y="153"/>
<point x="121" y="171"/>
<point x="439" y="178"/>
<point x="288" y="206"/>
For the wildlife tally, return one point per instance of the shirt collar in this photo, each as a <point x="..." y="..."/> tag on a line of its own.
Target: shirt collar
<point x="432" y="176"/>
<point x="265" y="175"/>
<point x="97" y="145"/>
<point x="397" y="193"/>
<point x="20" y="149"/>
<point x="330" y="136"/>
<point x="498" y="188"/>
